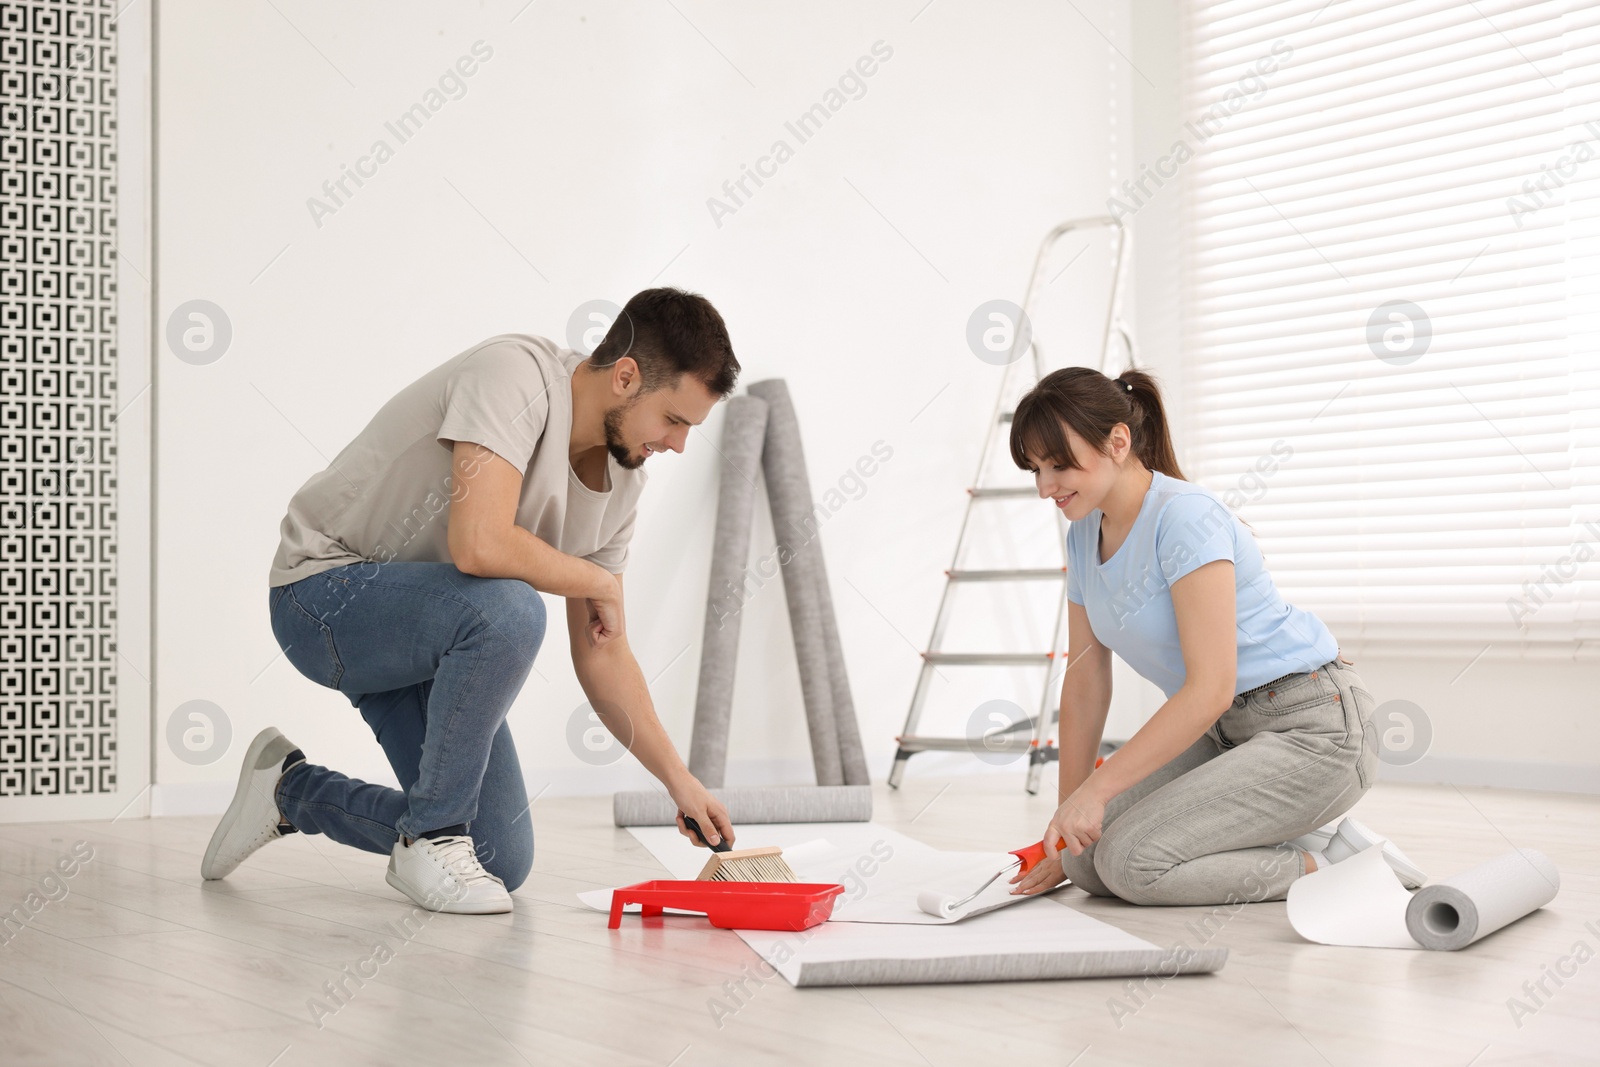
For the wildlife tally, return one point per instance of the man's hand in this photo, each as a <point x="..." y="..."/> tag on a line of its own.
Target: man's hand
<point x="605" y="611"/>
<point x="695" y="801"/>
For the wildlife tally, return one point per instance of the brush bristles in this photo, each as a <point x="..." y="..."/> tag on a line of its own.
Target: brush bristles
<point x="756" y="869"/>
<point x="754" y="865"/>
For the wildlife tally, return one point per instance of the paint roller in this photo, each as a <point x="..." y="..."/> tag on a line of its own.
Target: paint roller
<point x="944" y="906"/>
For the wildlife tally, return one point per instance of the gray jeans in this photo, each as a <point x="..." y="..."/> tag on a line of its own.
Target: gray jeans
<point x="1209" y="827"/>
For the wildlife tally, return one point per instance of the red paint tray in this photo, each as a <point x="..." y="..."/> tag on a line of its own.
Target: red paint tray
<point x="733" y="905"/>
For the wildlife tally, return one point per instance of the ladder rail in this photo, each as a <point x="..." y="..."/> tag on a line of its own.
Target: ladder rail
<point x="1118" y="269"/>
<point x="1045" y="721"/>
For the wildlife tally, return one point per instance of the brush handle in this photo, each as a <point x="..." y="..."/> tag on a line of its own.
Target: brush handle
<point x="720" y="846"/>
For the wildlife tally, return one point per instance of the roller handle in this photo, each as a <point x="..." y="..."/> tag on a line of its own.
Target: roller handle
<point x="1033" y="854"/>
<point x="720" y="846"/>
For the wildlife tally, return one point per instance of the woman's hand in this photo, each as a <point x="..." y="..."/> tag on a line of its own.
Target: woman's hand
<point x="1046" y="875"/>
<point x="1076" y="825"/>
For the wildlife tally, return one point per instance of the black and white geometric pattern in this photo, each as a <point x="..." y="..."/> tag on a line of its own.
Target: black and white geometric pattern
<point x="58" y="471"/>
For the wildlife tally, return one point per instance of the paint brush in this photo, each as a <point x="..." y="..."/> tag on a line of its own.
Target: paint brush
<point x="744" y="865"/>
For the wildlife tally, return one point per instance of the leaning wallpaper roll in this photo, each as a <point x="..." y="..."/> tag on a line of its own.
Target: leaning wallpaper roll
<point x="1359" y="902"/>
<point x="1456" y="912"/>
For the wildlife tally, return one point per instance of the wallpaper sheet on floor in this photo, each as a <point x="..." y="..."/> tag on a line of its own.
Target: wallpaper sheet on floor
<point x="879" y="935"/>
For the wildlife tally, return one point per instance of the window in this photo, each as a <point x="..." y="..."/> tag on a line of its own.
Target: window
<point x="1392" y="311"/>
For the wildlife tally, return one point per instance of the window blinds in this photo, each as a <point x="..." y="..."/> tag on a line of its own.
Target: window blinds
<point x="1392" y="311"/>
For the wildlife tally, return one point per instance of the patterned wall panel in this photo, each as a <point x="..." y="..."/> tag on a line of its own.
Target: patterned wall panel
<point x="58" y="185"/>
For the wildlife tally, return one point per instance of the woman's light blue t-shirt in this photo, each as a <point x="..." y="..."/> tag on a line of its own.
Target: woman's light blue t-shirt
<point x="1128" y="598"/>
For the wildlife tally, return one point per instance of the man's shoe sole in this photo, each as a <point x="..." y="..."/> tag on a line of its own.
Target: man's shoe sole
<point x="241" y="793"/>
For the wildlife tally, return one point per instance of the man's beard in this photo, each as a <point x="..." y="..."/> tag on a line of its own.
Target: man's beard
<point x="614" y="442"/>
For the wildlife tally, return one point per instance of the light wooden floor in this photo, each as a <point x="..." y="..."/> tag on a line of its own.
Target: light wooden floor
<point x="141" y="963"/>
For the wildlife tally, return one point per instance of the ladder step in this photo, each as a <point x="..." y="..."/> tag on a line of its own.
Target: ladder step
<point x="988" y="659"/>
<point x="1021" y="574"/>
<point x="965" y="744"/>
<point x="1006" y="492"/>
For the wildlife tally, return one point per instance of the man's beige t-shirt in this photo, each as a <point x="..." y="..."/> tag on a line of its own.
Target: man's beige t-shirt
<point x="386" y="496"/>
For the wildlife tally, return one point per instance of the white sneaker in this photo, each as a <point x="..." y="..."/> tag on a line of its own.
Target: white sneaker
<point x="1353" y="837"/>
<point x="1317" y="839"/>
<point x="252" y="819"/>
<point x="443" y="874"/>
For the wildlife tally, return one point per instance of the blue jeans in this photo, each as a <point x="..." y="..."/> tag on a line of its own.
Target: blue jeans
<point x="1210" y="826"/>
<point x="433" y="658"/>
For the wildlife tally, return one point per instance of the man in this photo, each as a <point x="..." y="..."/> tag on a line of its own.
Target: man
<point x="409" y="577"/>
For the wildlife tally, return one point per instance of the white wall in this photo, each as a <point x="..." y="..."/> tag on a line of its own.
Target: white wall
<point x="578" y="165"/>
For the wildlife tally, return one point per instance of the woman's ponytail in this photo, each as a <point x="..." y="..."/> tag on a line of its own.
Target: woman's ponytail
<point x="1152" y="439"/>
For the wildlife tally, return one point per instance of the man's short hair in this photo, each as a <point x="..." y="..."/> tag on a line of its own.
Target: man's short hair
<point x="669" y="333"/>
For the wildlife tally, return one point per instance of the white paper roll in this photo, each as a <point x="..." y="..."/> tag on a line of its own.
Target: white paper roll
<point x="1454" y="913"/>
<point x="1360" y="902"/>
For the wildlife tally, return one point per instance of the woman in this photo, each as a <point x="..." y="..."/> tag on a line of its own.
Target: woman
<point x="1266" y="731"/>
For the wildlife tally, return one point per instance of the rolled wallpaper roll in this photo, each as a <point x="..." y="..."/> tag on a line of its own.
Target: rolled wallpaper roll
<point x="852" y="757"/>
<point x="799" y="558"/>
<point x="742" y="435"/>
<point x="763" y="433"/>
<point x="1023" y="966"/>
<point x="1454" y="913"/>
<point x="1360" y="902"/>
<point x="798" y="534"/>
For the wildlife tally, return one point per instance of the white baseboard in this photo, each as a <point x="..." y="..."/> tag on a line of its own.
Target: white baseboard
<point x="191" y="798"/>
<point x="1496" y="774"/>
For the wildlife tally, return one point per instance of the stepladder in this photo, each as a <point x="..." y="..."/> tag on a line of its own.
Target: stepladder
<point x="998" y="737"/>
